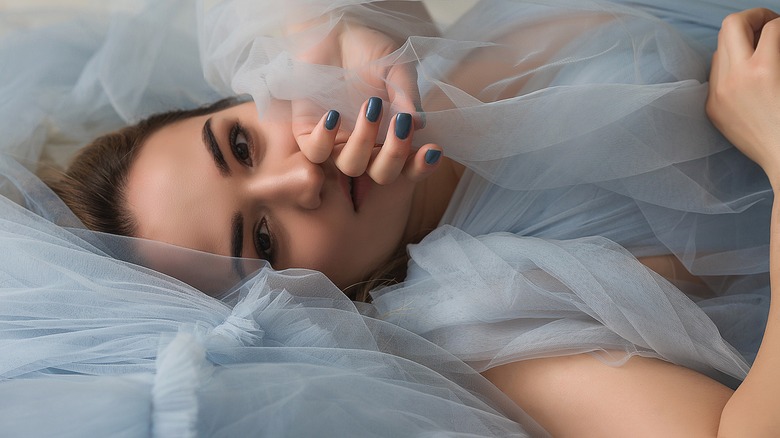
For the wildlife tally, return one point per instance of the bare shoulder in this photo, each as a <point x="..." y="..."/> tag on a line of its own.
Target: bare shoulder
<point x="579" y="395"/>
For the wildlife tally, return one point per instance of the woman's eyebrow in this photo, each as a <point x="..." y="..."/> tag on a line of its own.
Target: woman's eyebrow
<point x="210" y="142"/>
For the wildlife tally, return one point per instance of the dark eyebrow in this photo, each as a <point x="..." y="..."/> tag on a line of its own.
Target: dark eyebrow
<point x="237" y="242"/>
<point x="210" y="142"/>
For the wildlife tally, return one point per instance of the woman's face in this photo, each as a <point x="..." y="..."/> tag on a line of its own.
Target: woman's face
<point x="231" y="184"/>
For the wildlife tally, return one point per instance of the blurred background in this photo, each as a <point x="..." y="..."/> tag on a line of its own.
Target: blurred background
<point x="16" y="13"/>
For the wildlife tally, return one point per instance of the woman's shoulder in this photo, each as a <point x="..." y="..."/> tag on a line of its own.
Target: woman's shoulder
<point x="583" y="395"/>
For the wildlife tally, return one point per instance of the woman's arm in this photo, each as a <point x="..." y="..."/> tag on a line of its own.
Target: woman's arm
<point x="744" y="104"/>
<point x="581" y="396"/>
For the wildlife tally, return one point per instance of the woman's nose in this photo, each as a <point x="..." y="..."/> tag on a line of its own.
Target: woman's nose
<point x="293" y="180"/>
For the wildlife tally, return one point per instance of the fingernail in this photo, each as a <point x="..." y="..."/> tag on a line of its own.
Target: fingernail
<point x="373" y="109"/>
<point x="432" y="156"/>
<point x="331" y="119"/>
<point x="403" y="124"/>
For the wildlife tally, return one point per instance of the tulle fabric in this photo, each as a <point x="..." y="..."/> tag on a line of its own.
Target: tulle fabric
<point x="601" y="132"/>
<point x="99" y="342"/>
<point x="607" y="137"/>
<point x="587" y="129"/>
<point x="594" y="125"/>
<point x="501" y="298"/>
<point x="106" y="347"/>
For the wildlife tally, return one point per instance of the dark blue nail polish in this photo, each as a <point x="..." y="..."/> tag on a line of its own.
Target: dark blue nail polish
<point x="331" y="119"/>
<point x="432" y="156"/>
<point x="373" y="109"/>
<point x="403" y="124"/>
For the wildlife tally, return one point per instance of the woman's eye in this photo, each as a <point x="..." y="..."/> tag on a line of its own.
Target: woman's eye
<point x="264" y="241"/>
<point x="239" y="143"/>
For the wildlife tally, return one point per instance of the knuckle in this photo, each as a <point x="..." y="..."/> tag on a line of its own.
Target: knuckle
<point x="730" y="20"/>
<point x="396" y="153"/>
<point x="759" y="71"/>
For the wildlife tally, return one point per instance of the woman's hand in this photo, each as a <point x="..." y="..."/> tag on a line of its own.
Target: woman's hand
<point x="357" y="152"/>
<point x="355" y="47"/>
<point x="744" y="103"/>
<point x="744" y="99"/>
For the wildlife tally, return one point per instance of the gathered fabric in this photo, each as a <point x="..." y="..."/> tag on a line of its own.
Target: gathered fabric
<point x="590" y="150"/>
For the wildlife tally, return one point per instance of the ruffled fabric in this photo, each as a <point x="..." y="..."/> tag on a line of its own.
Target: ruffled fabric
<point x="282" y="353"/>
<point x="607" y="137"/>
<point x="594" y="123"/>
<point x="600" y="133"/>
<point x="501" y="298"/>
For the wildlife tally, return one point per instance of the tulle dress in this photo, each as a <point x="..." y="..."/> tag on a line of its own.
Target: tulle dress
<point x="597" y="153"/>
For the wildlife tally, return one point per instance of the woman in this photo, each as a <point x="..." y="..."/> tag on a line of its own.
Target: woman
<point x="601" y="194"/>
<point x="357" y="157"/>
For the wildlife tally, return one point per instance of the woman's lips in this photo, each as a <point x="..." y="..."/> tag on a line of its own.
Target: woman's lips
<point x="361" y="186"/>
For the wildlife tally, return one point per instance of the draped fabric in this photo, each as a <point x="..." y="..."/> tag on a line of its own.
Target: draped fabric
<point x="587" y="146"/>
<point x="610" y="139"/>
<point x="102" y="346"/>
<point x="502" y="298"/>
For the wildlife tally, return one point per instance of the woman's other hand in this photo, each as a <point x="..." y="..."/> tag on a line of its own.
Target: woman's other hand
<point x="744" y="97"/>
<point x="357" y="152"/>
<point x="744" y="103"/>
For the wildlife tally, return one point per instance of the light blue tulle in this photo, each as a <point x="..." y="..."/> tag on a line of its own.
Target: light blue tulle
<point x="600" y="153"/>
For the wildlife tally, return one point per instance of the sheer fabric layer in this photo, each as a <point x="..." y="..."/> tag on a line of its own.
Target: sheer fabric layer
<point x="574" y="118"/>
<point x="120" y="349"/>
<point x="282" y="354"/>
<point x="599" y="132"/>
<point x="501" y="298"/>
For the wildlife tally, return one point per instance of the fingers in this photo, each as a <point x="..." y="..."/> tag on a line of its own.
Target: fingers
<point x="423" y="163"/>
<point x="354" y="157"/>
<point x="395" y="158"/>
<point x="403" y="91"/>
<point x="769" y="43"/>
<point x="358" y="152"/>
<point x="744" y="93"/>
<point x="314" y="138"/>
<point x="319" y="144"/>
<point x="739" y="33"/>
<point x="748" y="44"/>
<point x="389" y="162"/>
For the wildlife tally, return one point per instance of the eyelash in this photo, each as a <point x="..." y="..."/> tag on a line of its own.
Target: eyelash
<point x="266" y="254"/>
<point x="238" y="132"/>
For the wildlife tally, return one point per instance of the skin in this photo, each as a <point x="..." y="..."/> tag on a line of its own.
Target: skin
<point x="743" y="104"/>
<point x="575" y="395"/>
<point x="177" y="193"/>
<point x="580" y="396"/>
<point x="297" y="180"/>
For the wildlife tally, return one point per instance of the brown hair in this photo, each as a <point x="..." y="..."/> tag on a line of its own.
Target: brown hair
<point x="93" y="186"/>
<point x="391" y="272"/>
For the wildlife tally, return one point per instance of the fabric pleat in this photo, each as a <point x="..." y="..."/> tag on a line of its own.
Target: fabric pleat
<point x="583" y="131"/>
